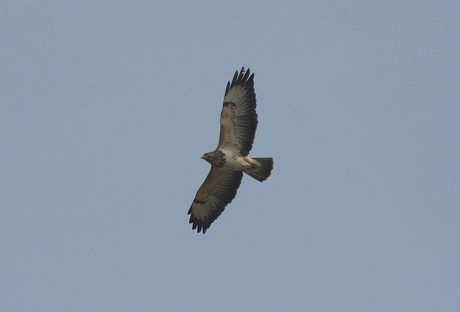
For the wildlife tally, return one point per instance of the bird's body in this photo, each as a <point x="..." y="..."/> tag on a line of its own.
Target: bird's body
<point x="238" y="124"/>
<point x="230" y="160"/>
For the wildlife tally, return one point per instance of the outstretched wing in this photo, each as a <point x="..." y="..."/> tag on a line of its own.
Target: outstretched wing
<point x="217" y="191"/>
<point x="238" y="119"/>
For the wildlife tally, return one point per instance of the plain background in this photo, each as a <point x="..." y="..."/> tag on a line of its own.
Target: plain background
<point x="107" y="106"/>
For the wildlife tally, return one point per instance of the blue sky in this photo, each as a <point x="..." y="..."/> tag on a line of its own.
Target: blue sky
<point x="107" y="106"/>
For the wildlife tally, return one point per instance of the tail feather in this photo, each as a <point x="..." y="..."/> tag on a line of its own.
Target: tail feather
<point x="264" y="171"/>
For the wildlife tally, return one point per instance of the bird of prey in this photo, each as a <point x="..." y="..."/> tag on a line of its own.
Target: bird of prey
<point x="238" y="123"/>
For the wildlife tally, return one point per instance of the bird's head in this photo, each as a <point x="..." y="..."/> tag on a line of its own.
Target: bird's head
<point x="216" y="158"/>
<point x="206" y="157"/>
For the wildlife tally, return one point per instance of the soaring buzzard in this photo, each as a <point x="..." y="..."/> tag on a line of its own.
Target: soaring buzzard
<point x="238" y="123"/>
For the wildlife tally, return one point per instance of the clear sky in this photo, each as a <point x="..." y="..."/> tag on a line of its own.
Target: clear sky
<point x="107" y="106"/>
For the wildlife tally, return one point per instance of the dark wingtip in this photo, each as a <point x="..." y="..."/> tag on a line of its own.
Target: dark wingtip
<point x="244" y="76"/>
<point x="196" y="224"/>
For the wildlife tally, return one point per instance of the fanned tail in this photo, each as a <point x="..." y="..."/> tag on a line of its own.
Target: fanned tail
<point x="261" y="174"/>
